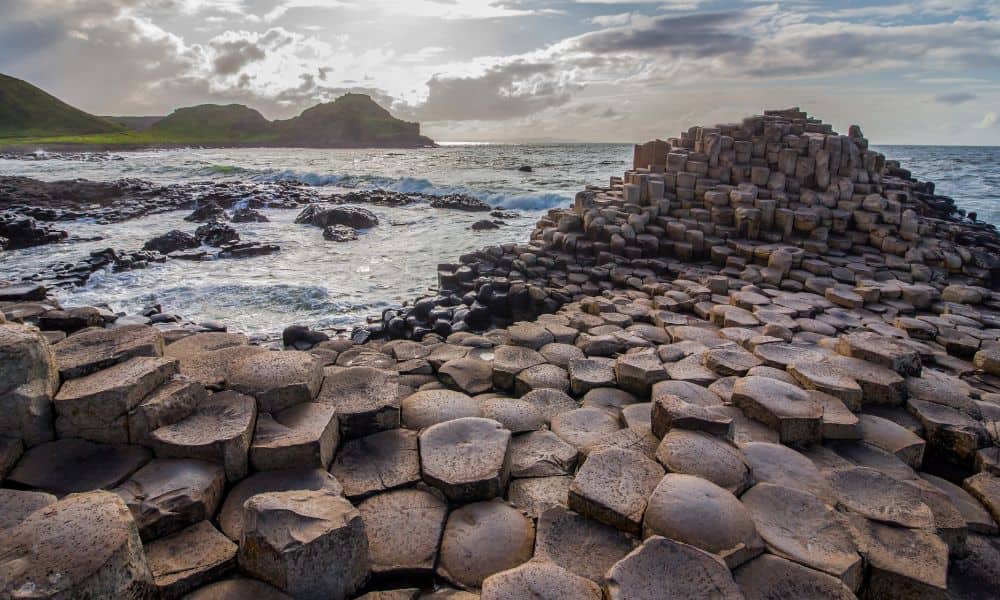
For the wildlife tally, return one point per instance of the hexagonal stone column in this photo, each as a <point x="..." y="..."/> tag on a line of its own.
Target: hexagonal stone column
<point x="481" y="539"/>
<point x="173" y="401"/>
<point x="466" y="458"/>
<point x="695" y="511"/>
<point x="219" y="431"/>
<point x="798" y="526"/>
<point x="781" y="465"/>
<point x="72" y="465"/>
<point x="612" y="487"/>
<point x="538" y="579"/>
<point x="581" y="545"/>
<point x="404" y="531"/>
<point x="95" y="349"/>
<point x="902" y="563"/>
<point x="304" y="435"/>
<point x="377" y="463"/>
<point x="307" y="543"/>
<point x="28" y="381"/>
<point x="277" y="380"/>
<point x="688" y="406"/>
<point x="585" y="427"/>
<point x="877" y="496"/>
<point x="704" y="455"/>
<point x="231" y="514"/>
<point x="541" y="454"/>
<point x="880" y="350"/>
<point x="169" y="494"/>
<point x="663" y="568"/>
<point x="189" y="559"/>
<point x="89" y="539"/>
<point x="769" y="576"/>
<point x="366" y="399"/>
<point x="508" y="361"/>
<point x="422" y="409"/>
<point x="96" y="407"/>
<point x="784" y="408"/>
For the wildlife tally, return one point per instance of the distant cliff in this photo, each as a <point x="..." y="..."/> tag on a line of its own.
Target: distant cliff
<point x="31" y="118"/>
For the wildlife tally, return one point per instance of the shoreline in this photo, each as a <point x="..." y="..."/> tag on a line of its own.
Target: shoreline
<point x="764" y="352"/>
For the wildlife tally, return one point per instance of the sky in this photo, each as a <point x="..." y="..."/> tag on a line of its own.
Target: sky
<point x="916" y="72"/>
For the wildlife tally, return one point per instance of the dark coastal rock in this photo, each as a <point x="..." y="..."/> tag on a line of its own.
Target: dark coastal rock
<point x="24" y="232"/>
<point x="340" y="233"/>
<point x="247" y="250"/>
<point x="248" y="215"/>
<point x="460" y="202"/>
<point x="484" y="225"/>
<point x="301" y="337"/>
<point x="214" y="233"/>
<point x="350" y="216"/>
<point x="172" y="241"/>
<point x="206" y="213"/>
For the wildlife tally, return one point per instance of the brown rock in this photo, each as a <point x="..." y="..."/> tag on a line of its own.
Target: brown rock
<point x="95" y="349"/>
<point x="422" y="409"/>
<point x="481" y="539"/>
<point x="189" y="559"/>
<point x="304" y="435"/>
<point x="769" y="576"/>
<point x="277" y="380"/>
<point x="877" y="496"/>
<point x="377" y="463"/>
<point x="535" y="495"/>
<point x="16" y="505"/>
<point x="366" y="399"/>
<point x="28" y="381"/>
<point x="72" y="465"/>
<point x="698" y="453"/>
<point x="538" y="579"/>
<point x="466" y="458"/>
<point x="612" y="487"/>
<point x="583" y="546"/>
<point x="231" y="514"/>
<point x="785" y="408"/>
<point x="168" y="494"/>
<point x="663" y="568"/>
<point x="404" y="530"/>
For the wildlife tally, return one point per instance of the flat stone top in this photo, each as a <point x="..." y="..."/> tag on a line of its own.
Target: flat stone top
<point x="880" y="497"/>
<point x="539" y="579"/>
<point x="379" y="461"/>
<point x="359" y="389"/>
<point x="74" y="465"/>
<point x="779" y="397"/>
<point x="231" y="514"/>
<point x="292" y="518"/>
<point x="236" y="589"/>
<point x="204" y="342"/>
<point x="513" y="359"/>
<point x="212" y="367"/>
<point x="131" y="379"/>
<point x="299" y="424"/>
<point x="429" y="407"/>
<point x="221" y="417"/>
<point x="664" y="568"/>
<point x="781" y="465"/>
<point x="263" y="372"/>
<point x="95" y="349"/>
<point x="464" y="450"/>
<point x="15" y="505"/>
<point x="686" y="391"/>
<point x="65" y="543"/>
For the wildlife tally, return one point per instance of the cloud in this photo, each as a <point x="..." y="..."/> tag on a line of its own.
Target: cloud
<point x="989" y="121"/>
<point x="699" y="35"/>
<point x="955" y="97"/>
<point x="503" y="92"/>
<point x="233" y="56"/>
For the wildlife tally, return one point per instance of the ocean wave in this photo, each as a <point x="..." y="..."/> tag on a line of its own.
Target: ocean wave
<point x="418" y="185"/>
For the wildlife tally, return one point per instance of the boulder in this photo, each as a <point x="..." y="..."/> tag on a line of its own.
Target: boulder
<point x="580" y="545"/>
<point x="72" y="465"/>
<point x="467" y="458"/>
<point x="218" y="431"/>
<point x="612" y="487"/>
<point x="28" y="381"/>
<point x="189" y="559"/>
<point x="172" y="241"/>
<point x="377" y="463"/>
<point x="350" y="216"/>
<point x="404" y="531"/>
<point x="664" y="568"/>
<point x="216" y="234"/>
<point x="169" y="494"/>
<point x="481" y="539"/>
<point x="538" y="579"/>
<point x="366" y="399"/>
<point x="277" y="380"/>
<point x="304" y="435"/>
<point x="83" y="546"/>
<point x="96" y="407"/>
<point x="695" y="511"/>
<point x="797" y="525"/>
<point x="91" y="350"/>
<point x="308" y="543"/>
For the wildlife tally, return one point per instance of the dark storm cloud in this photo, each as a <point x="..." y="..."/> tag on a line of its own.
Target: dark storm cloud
<point x="955" y="97"/>
<point x="233" y="56"/>
<point x="700" y="35"/>
<point x="503" y="92"/>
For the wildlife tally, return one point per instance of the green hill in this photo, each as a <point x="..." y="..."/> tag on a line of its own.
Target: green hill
<point x="25" y="110"/>
<point x="351" y="121"/>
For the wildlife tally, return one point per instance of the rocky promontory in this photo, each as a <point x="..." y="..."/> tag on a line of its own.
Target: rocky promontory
<point x="763" y="363"/>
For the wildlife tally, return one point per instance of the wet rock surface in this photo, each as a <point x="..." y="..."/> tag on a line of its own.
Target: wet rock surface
<point x="762" y="363"/>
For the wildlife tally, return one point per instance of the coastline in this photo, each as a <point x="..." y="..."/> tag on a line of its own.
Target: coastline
<point x="748" y="347"/>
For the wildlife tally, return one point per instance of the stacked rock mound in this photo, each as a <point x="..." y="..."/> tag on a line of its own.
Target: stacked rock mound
<point x="778" y="199"/>
<point x="667" y="429"/>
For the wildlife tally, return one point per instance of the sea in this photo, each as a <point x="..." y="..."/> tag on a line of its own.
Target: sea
<point x="330" y="285"/>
